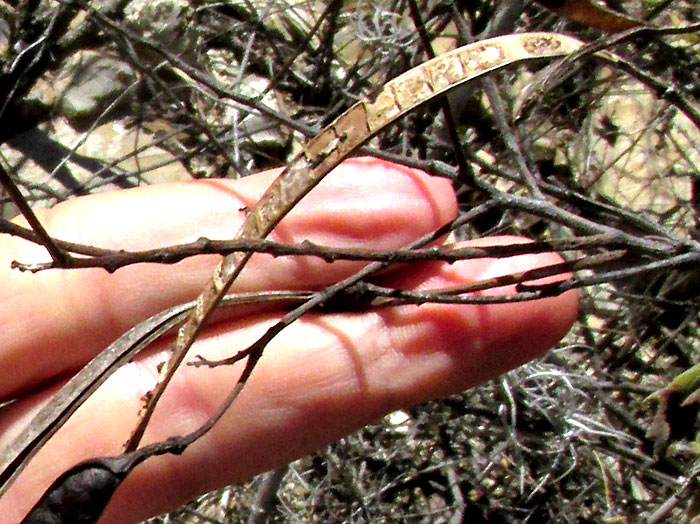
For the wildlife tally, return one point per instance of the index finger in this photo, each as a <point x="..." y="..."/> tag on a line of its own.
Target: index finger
<point x="54" y="321"/>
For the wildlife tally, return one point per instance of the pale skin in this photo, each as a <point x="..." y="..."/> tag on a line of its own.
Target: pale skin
<point x="324" y="376"/>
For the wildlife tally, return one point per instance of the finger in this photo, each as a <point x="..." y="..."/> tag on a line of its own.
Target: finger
<point x="55" y="321"/>
<point x="320" y="379"/>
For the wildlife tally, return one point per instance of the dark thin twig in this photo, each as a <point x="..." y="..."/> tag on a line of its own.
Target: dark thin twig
<point x="643" y="245"/>
<point x="204" y="79"/>
<point x="51" y="417"/>
<point x="255" y="350"/>
<point x="267" y="498"/>
<point x="59" y="257"/>
<point x="111" y="260"/>
<point x="673" y="262"/>
<point x="466" y="171"/>
<point x="661" y="88"/>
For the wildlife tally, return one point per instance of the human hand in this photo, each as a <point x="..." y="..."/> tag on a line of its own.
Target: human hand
<point x="324" y="376"/>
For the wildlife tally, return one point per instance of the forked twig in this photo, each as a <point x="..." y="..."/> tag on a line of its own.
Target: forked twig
<point x="333" y="144"/>
<point x="57" y="254"/>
